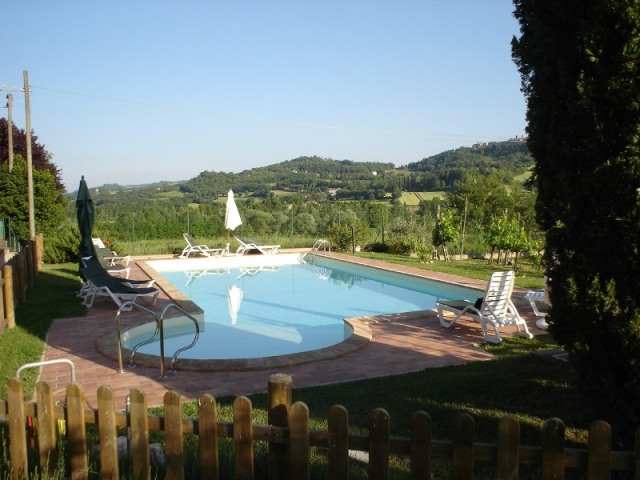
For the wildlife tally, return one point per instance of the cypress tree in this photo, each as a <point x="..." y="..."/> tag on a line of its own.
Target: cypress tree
<point x="579" y="63"/>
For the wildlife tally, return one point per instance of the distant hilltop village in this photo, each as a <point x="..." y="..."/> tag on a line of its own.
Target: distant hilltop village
<point x="516" y="139"/>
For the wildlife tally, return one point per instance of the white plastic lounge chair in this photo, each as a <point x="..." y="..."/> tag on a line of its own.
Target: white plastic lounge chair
<point x="494" y="310"/>
<point x="247" y="246"/>
<point x="538" y="296"/>
<point x="199" y="249"/>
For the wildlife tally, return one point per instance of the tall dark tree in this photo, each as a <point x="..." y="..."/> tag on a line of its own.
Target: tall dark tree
<point x="580" y="67"/>
<point x="41" y="159"/>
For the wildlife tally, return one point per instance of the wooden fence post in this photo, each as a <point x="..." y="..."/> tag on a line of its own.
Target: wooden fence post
<point x="208" y="437"/>
<point x="599" y="448"/>
<point x="39" y="251"/>
<point x="174" y="448"/>
<point x="28" y="258"/>
<point x="17" y="431"/>
<point x="299" y="466"/>
<point x="139" y="422"/>
<point x="243" y="439"/>
<point x="24" y="283"/>
<point x="508" y="452"/>
<point x="108" y="434"/>
<point x="76" y="433"/>
<point x="379" y="431"/>
<point x="46" y="428"/>
<point x="19" y="279"/>
<point x="338" y="424"/>
<point x="553" y="449"/>
<point x="463" y="458"/>
<point x="8" y="290"/>
<point x="420" y="446"/>
<point x="279" y="400"/>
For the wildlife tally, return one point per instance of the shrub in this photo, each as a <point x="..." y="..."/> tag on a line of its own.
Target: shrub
<point x="62" y="246"/>
<point x="404" y="235"/>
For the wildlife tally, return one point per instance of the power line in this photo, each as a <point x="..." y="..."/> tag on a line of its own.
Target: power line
<point x="4" y="88"/>
<point x="97" y="97"/>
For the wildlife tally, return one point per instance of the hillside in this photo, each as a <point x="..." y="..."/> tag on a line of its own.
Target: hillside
<point x="324" y="178"/>
<point x="446" y="169"/>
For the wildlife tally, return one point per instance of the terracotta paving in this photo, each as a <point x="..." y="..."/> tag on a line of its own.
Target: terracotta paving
<point x="399" y="343"/>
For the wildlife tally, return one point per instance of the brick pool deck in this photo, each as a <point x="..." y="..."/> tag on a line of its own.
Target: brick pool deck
<point x="398" y="343"/>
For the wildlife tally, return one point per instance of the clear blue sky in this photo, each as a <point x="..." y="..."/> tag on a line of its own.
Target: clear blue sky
<point x="141" y="91"/>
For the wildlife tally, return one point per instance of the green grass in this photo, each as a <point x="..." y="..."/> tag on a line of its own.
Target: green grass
<point x="52" y="296"/>
<point x="413" y="198"/>
<point x="527" y="275"/>
<point x="527" y="386"/>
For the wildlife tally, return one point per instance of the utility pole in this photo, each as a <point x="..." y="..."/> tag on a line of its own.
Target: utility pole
<point x="27" y="107"/>
<point x="10" y="130"/>
<point x="10" y="121"/>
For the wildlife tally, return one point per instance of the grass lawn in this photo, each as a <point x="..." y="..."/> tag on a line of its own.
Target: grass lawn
<point x="53" y="296"/>
<point x="527" y="276"/>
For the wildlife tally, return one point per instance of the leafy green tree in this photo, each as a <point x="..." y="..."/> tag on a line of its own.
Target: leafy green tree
<point x="48" y="204"/>
<point x="446" y="231"/>
<point x="486" y="196"/>
<point x="581" y="78"/>
<point x="341" y="236"/>
<point x="494" y="234"/>
<point x="305" y="224"/>
<point x="404" y="234"/>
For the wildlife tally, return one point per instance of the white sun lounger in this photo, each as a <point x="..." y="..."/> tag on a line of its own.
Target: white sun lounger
<point x="246" y="246"/>
<point x="199" y="249"/>
<point x="494" y="310"/>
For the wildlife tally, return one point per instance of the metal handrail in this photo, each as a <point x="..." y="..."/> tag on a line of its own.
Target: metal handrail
<point x="159" y="320"/>
<point x="127" y="307"/>
<point x="49" y="362"/>
<point x="180" y="350"/>
<point x="321" y="243"/>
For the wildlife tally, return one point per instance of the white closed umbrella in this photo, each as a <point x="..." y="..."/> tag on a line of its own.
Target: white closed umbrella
<point x="232" y="218"/>
<point x="234" y="298"/>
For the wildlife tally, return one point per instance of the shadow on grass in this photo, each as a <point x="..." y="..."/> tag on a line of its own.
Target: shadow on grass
<point x="52" y="296"/>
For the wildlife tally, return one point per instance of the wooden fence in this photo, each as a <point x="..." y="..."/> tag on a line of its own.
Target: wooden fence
<point x="288" y="437"/>
<point x="18" y="272"/>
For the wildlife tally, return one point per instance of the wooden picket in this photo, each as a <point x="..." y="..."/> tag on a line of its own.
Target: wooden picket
<point x="290" y="437"/>
<point x="208" y="435"/>
<point x="17" y="273"/>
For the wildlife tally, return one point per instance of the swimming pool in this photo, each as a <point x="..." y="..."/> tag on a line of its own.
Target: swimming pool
<point x="264" y="306"/>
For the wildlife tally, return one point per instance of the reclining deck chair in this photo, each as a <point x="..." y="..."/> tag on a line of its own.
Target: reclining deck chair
<point x="110" y="260"/>
<point x="247" y="246"/>
<point x="494" y="310"/>
<point x="199" y="249"/>
<point x="98" y="283"/>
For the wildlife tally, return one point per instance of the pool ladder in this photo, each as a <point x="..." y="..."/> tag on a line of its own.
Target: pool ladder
<point x="323" y="244"/>
<point x="159" y="331"/>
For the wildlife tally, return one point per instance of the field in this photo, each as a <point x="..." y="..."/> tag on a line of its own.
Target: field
<point x="413" y="198"/>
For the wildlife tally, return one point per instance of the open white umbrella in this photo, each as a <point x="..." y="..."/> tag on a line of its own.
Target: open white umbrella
<point x="234" y="298"/>
<point x="232" y="218"/>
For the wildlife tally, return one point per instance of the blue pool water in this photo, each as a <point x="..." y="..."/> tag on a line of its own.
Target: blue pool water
<point x="256" y="311"/>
